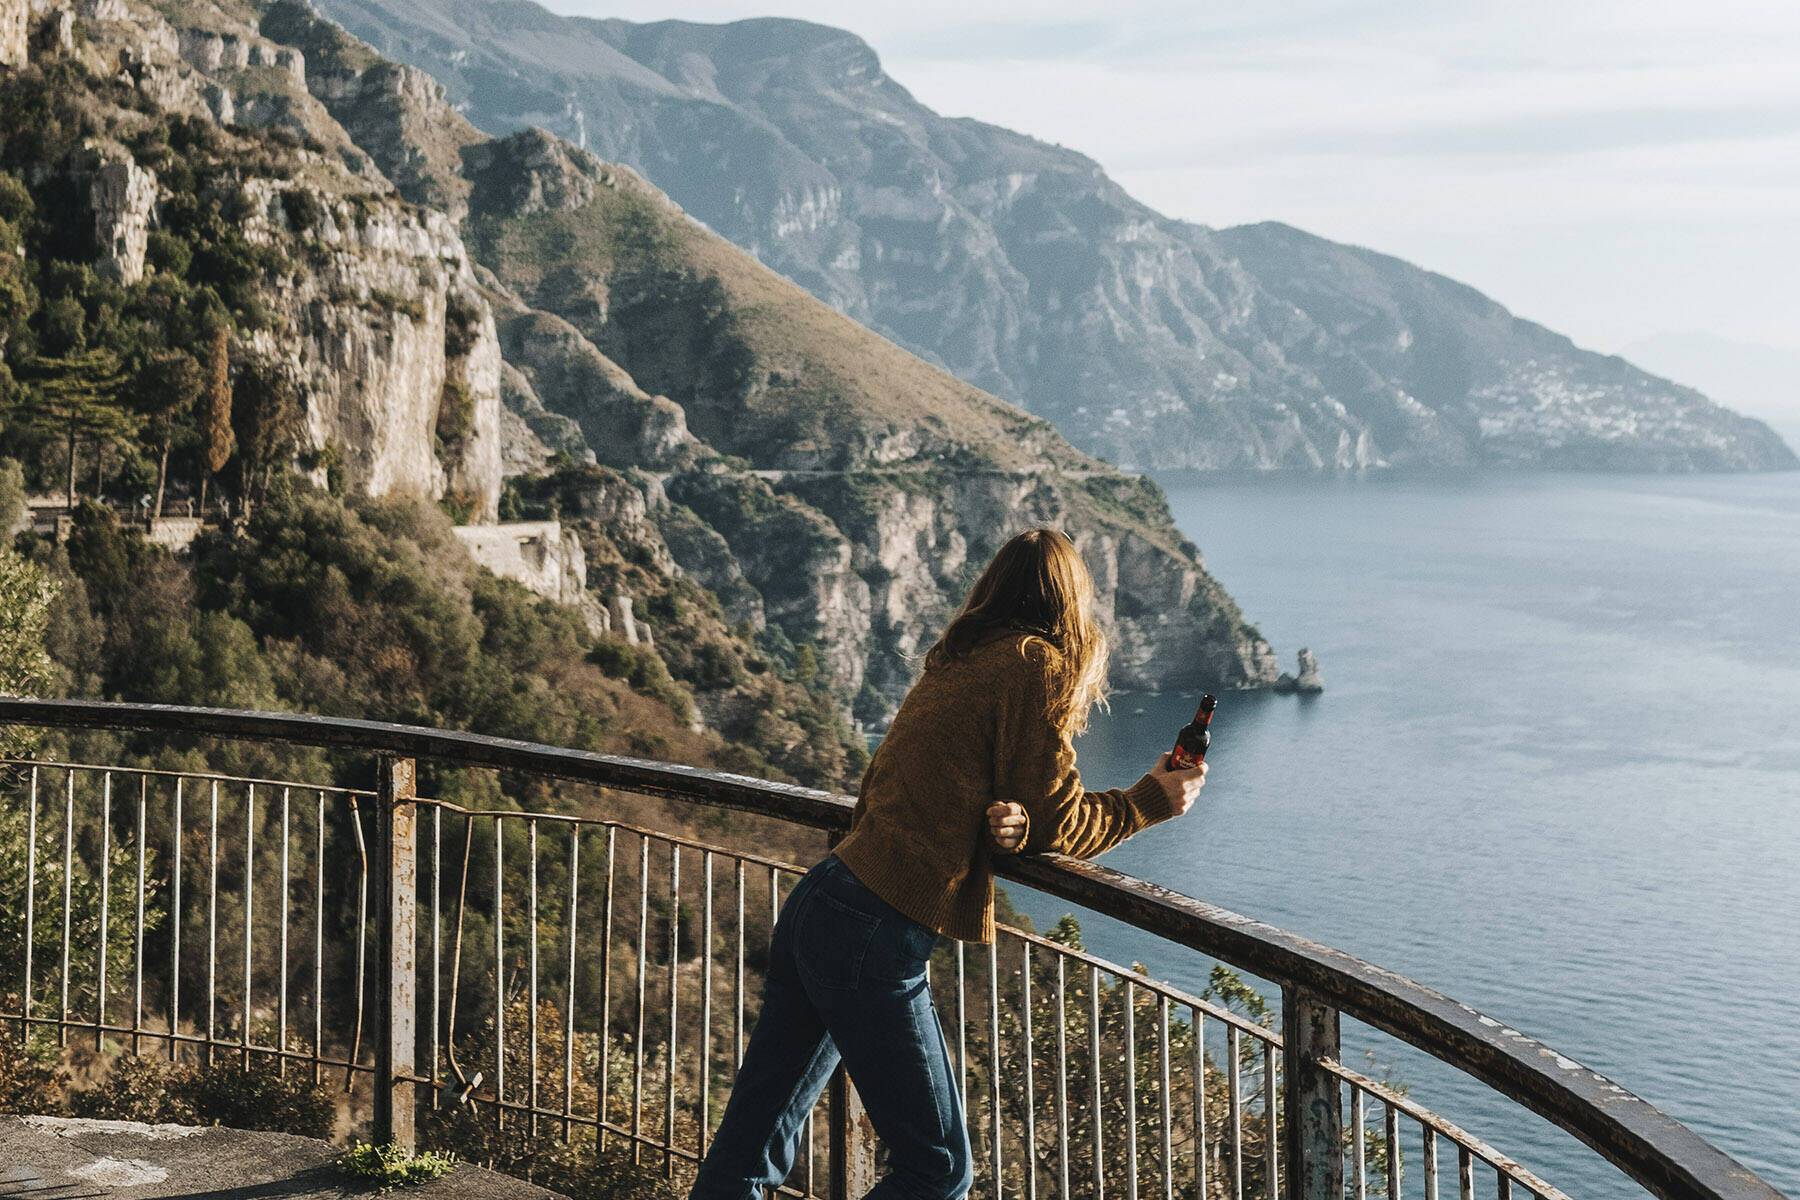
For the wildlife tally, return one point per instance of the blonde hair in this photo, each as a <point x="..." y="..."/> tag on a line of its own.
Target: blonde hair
<point x="1038" y="584"/>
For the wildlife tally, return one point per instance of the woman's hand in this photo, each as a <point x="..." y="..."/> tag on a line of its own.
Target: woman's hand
<point x="1181" y="787"/>
<point x="1006" y="822"/>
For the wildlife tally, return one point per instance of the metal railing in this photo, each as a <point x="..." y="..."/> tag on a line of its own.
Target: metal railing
<point x="1080" y="1077"/>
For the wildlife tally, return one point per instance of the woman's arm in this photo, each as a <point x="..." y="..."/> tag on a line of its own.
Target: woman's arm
<point x="1009" y="822"/>
<point x="1034" y="769"/>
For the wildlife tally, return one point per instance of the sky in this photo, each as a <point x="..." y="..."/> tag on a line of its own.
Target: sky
<point x="1615" y="169"/>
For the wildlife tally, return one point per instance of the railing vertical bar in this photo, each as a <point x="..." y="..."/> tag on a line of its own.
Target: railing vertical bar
<point x="249" y="911"/>
<point x="1502" y="1185"/>
<point x="737" y="979"/>
<point x="62" y="1029"/>
<point x="437" y="937"/>
<point x="1199" y="1053"/>
<point x="105" y="930"/>
<point x="499" y="974"/>
<point x="281" y="1004"/>
<point x="1168" y="1113"/>
<point x="1428" y="1146"/>
<point x="994" y="1063"/>
<point x="318" y="988"/>
<point x="1271" y="1122"/>
<point x="1234" y="1110"/>
<point x="1358" y="1138"/>
<point x="1394" y="1160"/>
<point x="137" y="985"/>
<point x="531" y="984"/>
<point x="1465" y="1174"/>
<point x="569" y="987"/>
<point x="706" y="970"/>
<point x="606" y="925"/>
<point x="212" y="921"/>
<point x="637" y="1070"/>
<point x="31" y="904"/>
<point x="362" y="933"/>
<point x="962" y="1025"/>
<point x="1131" y="1125"/>
<point x="1030" y="1053"/>
<point x="1062" y="1078"/>
<point x="674" y="1008"/>
<point x="175" y="848"/>
<point x="1095" y="1068"/>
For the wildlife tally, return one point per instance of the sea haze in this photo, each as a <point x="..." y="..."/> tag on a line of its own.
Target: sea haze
<point x="1555" y="774"/>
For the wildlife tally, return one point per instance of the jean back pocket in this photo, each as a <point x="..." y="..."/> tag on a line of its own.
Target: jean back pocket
<point x="831" y="941"/>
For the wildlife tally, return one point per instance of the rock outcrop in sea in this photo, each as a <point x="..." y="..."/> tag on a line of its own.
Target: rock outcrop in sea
<point x="1305" y="679"/>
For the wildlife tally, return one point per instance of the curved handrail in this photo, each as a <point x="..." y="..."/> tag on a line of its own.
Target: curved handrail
<point x="1657" y="1151"/>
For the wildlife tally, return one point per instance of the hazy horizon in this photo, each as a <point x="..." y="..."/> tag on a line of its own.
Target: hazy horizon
<point x="1617" y="172"/>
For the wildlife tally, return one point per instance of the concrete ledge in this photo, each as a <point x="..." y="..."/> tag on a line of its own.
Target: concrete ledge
<point x="58" y="1158"/>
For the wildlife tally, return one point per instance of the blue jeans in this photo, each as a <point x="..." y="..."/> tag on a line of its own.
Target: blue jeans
<point x="846" y="978"/>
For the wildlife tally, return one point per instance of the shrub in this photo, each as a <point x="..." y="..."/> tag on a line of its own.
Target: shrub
<point x="252" y="1097"/>
<point x="456" y="412"/>
<point x="29" y="1082"/>
<point x="302" y="207"/>
<point x="390" y="1166"/>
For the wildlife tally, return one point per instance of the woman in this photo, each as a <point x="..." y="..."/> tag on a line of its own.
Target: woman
<point x="978" y="761"/>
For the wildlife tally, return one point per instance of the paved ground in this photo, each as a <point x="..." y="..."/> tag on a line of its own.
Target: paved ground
<point x="55" y="1158"/>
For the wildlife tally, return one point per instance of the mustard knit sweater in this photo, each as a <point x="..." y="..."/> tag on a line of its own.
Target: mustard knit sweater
<point x="973" y="731"/>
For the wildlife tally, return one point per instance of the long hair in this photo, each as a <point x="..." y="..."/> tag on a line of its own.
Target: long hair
<point x="1037" y="584"/>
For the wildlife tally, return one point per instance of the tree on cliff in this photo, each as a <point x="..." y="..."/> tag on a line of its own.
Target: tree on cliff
<point x="216" y="434"/>
<point x="76" y="396"/>
<point x="165" y="389"/>
<point x="266" y="416"/>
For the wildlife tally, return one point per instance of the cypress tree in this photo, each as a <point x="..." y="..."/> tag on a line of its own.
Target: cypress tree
<point x="217" y="439"/>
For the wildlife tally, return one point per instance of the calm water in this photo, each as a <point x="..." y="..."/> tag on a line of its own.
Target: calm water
<point x="1555" y="774"/>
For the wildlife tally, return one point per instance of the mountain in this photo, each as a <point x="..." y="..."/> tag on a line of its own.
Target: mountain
<point x="1023" y="269"/>
<point x="742" y="491"/>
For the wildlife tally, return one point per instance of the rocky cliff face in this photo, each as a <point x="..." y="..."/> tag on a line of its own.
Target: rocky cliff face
<point x="369" y="304"/>
<point x="16" y="20"/>
<point x="829" y="488"/>
<point x="864" y="489"/>
<point x="1026" y="271"/>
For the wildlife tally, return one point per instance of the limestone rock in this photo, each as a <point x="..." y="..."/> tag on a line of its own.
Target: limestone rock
<point x="15" y="40"/>
<point x="1306" y="680"/>
<point x="123" y="198"/>
<point x="618" y="421"/>
<point x="531" y="435"/>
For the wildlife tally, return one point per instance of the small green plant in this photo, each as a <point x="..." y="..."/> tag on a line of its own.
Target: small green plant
<point x="390" y="1166"/>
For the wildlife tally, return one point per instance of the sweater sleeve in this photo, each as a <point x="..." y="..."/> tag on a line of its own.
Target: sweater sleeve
<point x="1035" y="767"/>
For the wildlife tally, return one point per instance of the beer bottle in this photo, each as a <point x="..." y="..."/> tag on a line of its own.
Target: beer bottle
<point x="1194" y="738"/>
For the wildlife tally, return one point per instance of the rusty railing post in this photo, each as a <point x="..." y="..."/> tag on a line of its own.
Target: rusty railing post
<point x="852" y="1154"/>
<point x="1312" y="1136"/>
<point x="396" y="969"/>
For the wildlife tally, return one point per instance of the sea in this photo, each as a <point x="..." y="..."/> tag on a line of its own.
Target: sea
<point x="1555" y="774"/>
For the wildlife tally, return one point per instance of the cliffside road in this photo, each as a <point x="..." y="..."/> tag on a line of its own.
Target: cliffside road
<point x="61" y="1159"/>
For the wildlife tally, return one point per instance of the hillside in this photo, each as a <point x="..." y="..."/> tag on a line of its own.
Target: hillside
<point x="767" y="511"/>
<point x="1023" y="269"/>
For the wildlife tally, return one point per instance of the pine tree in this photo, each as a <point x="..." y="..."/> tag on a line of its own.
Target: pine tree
<point x="167" y="387"/>
<point x="266" y="417"/>
<point x="77" y="396"/>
